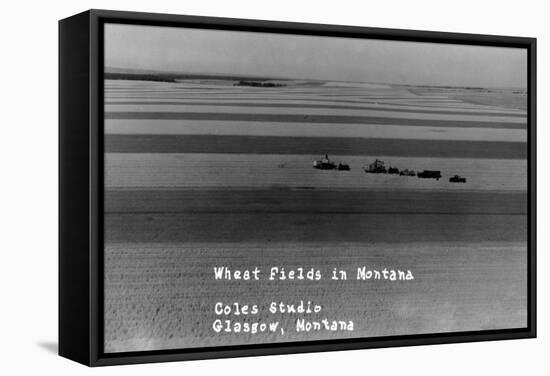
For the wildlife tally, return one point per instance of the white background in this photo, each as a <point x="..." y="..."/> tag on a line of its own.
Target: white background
<point x="28" y="189"/>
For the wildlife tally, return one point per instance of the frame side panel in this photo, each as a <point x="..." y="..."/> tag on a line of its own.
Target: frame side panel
<point x="532" y="204"/>
<point x="74" y="222"/>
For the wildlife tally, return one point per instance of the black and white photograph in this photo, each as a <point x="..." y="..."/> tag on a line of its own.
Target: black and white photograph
<point x="275" y="188"/>
<point x="264" y="188"/>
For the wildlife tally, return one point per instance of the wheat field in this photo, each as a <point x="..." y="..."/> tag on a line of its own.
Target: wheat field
<point x="201" y="173"/>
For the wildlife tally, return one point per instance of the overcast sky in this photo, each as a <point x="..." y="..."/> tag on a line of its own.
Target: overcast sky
<point x="325" y="58"/>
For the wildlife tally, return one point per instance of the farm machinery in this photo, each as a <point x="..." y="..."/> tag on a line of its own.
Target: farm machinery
<point x="407" y="172"/>
<point x="326" y="164"/>
<point x="430" y="174"/>
<point x="376" y="168"/>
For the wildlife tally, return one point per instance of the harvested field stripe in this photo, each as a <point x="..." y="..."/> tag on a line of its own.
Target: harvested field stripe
<point x="308" y="119"/>
<point x="258" y="110"/>
<point x="304" y="101"/>
<point x="303" y="227"/>
<point x="313" y="201"/>
<point x="313" y="146"/>
<point x="250" y="128"/>
<point x="313" y="105"/>
<point x="458" y="105"/>
<point x="351" y="96"/>
<point x="212" y="94"/>
<point x="264" y="93"/>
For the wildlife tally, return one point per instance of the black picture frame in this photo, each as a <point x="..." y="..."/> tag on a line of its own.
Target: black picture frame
<point x="81" y="186"/>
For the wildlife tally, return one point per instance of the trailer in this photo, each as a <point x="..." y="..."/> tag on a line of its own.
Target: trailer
<point x="343" y="167"/>
<point x="457" y="179"/>
<point x="430" y="174"/>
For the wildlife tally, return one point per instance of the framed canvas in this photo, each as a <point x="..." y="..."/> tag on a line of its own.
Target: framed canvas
<point x="235" y="187"/>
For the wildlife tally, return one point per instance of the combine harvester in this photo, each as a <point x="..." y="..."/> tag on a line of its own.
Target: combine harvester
<point x="326" y="164"/>
<point x="393" y="170"/>
<point x="430" y="174"/>
<point x="376" y="168"/>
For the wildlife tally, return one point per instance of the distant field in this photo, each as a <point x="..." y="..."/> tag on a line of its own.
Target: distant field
<point x="307" y="118"/>
<point x="329" y="115"/>
<point x="511" y="98"/>
<point x="305" y="104"/>
<point x="251" y="131"/>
